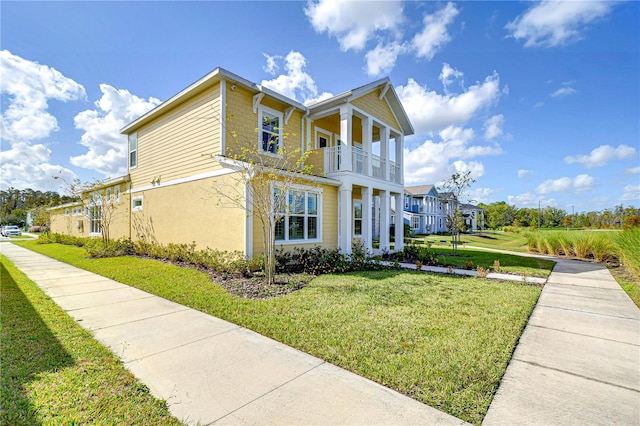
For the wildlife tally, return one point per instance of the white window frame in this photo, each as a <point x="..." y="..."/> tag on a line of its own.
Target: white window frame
<point x="356" y="234"/>
<point x="116" y="193"/>
<point x="133" y="152"/>
<point x="274" y="114"/>
<point x="415" y="222"/>
<point x="322" y="133"/>
<point x="66" y="212"/>
<point x="76" y="211"/>
<point x="319" y="215"/>
<point x="107" y="195"/>
<point x="134" y="200"/>
<point x="95" y="219"/>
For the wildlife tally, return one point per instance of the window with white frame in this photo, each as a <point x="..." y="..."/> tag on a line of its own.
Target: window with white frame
<point x="107" y="195"/>
<point x="302" y="218"/>
<point x="77" y="211"/>
<point x="270" y="124"/>
<point x="415" y="222"/>
<point x="407" y="200"/>
<point x="95" y="219"/>
<point x="133" y="151"/>
<point x="137" y="203"/>
<point x="66" y="212"/>
<point x="116" y="194"/>
<point x="357" y="218"/>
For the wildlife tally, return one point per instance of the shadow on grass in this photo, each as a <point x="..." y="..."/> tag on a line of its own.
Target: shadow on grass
<point x="27" y="348"/>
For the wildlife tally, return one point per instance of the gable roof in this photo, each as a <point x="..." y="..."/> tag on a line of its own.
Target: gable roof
<point x="420" y="189"/>
<point x="386" y="91"/>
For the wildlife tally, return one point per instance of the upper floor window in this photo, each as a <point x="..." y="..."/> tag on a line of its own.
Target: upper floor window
<point x="133" y="151"/>
<point x="116" y="194"/>
<point x="270" y="122"/>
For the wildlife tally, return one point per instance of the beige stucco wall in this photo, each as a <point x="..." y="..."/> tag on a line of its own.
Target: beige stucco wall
<point x="190" y="212"/>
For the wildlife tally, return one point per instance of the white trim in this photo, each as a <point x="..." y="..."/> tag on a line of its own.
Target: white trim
<point x="287" y="114"/>
<point x="248" y="222"/>
<point x="129" y="151"/>
<point x="326" y="132"/>
<point x="223" y="114"/>
<point x="141" y="206"/>
<point x="354" y="218"/>
<point x="384" y="90"/>
<point x="374" y="120"/>
<point x="201" y="176"/>
<point x="319" y="215"/>
<point x="276" y="114"/>
<point x="257" y="98"/>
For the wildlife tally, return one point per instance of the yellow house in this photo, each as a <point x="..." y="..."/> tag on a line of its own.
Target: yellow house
<point x="180" y="158"/>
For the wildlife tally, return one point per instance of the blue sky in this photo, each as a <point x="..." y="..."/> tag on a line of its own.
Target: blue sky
<point x="539" y="100"/>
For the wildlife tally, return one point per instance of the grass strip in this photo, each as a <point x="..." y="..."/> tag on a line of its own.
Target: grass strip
<point x="445" y="341"/>
<point x="54" y="372"/>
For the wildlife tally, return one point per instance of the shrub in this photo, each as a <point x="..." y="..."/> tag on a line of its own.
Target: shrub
<point x="318" y="261"/>
<point x="496" y="265"/>
<point x="627" y="245"/>
<point x="468" y="264"/>
<point x="36" y="228"/>
<point x="96" y="247"/>
<point x="68" y="240"/>
<point x="482" y="272"/>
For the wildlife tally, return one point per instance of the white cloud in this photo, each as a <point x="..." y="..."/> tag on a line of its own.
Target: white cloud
<point x="27" y="166"/>
<point x="107" y="148"/>
<point x="28" y="86"/>
<point x="493" y="127"/>
<point x="353" y="23"/>
<point x="524" y="173"/>
<point x="430" y="111"/>
<point x="296" y="83"/>
<point x="603" y="154"/>
<point x="563" y="91"/>
<point x="271" y="67"/>
<point x="435" y="161"/>
<point x="581" y="183"/>
<point x="482" y="195"/>
<point x="382" y="59"/>
<point x="448" y="75"/>
<point x="552" y="23"/>
<point x="630" y="193"/>
<point x="434" y="33"/>
<point x="633" y="170"/>
<point x="527" y="199"/>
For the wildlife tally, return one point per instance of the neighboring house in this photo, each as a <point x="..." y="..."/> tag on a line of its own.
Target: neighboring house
<point x="180" y="151"/>
<point x="473" y="217"/>
<point x="426" y="210"/>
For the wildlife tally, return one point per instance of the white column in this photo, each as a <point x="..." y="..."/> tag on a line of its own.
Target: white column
<point x="346" y="142"/>
<point x="385" y="219"/>
<point x="367" y="225"/>
<point x="399" y="228"/>
<point x="384" y="151"/>
<point x="400" y="157"/>
<point x="367" y="136"/>
<point x="346" y="207"/>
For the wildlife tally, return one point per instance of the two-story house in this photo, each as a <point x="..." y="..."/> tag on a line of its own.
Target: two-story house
<point x="184" y="148"/>
<point x="426" y="210"/>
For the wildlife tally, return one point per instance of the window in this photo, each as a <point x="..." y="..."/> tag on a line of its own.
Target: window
<point x="116" y="194"/>
<point x="136" y="203"/>
<point x="407" y="199"/>
<point x="415" y="222"/>
<point x="107" y="195"/>
<point x="357" y="218"/>
<point x="133" y="151"/>
<point x="270" y="130"/>
<point x="301" y="218"/>
<point x="77" y="211"/>
<point x="95" y="219"/>
<point x="66" y="212"/>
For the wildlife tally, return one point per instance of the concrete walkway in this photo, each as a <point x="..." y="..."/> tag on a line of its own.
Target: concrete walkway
<point x="210" y="371"/>
<point x="578" y="360"/>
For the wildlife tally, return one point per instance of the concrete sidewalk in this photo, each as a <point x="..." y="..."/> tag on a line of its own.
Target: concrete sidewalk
<point x="210" y="371"/>
<point x="578" y="360"/>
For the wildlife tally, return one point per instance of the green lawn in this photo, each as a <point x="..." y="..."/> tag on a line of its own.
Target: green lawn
<point x="508" y="263"/>
<point x="500" y="240"/>
<point x="54" y="372"/>
<point x="442" y="340"/>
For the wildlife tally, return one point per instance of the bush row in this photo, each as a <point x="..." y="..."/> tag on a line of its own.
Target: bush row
<point x="318" y="261"/>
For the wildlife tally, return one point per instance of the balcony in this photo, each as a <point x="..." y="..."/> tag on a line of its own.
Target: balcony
<point x="360" y="162"/>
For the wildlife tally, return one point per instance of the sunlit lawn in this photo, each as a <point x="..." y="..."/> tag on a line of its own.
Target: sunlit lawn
<point x="442" y="340"/>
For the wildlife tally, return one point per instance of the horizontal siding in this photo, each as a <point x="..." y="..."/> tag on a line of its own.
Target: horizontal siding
<point x="379" y="108"/>
<point x="179" y="143"/>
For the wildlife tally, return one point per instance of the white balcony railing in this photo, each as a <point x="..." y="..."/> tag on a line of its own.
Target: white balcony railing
<point x="360" y="160"/>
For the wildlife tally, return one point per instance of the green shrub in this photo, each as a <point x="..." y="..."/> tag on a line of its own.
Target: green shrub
<point x="627" y="245"/>
<point x="96" y="247"/>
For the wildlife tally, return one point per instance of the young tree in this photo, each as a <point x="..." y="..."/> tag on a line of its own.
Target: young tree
<point x="456" y="187"/>
<point x="264" y="187"/>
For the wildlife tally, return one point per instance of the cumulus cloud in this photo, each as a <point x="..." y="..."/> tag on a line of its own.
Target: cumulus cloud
<point x="630" y="193"/>
<point x="107" y="148"/>
<point x="353" y="23"/>
<point x="28" y="166"/>
<point x="448" y="75"/>
<point x="430" y="111"/>
<point x="602" y="155"/>
<point x="633" y="170"/>
<point x="482" y="195"/>
<point x="28" y="86"/>
<point x="382" y="59"/>
<point x="551" y="23"/>
<point x="434" y="34"/>
<point x="581" y="183"/>
<point x="271" y="67"/>
<point x="493" y="127"/>
<point x="296" y="83"/>
<point x="524" y="173"/>
<point x="434" y="161"/>
<point x="528" y="199"/>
